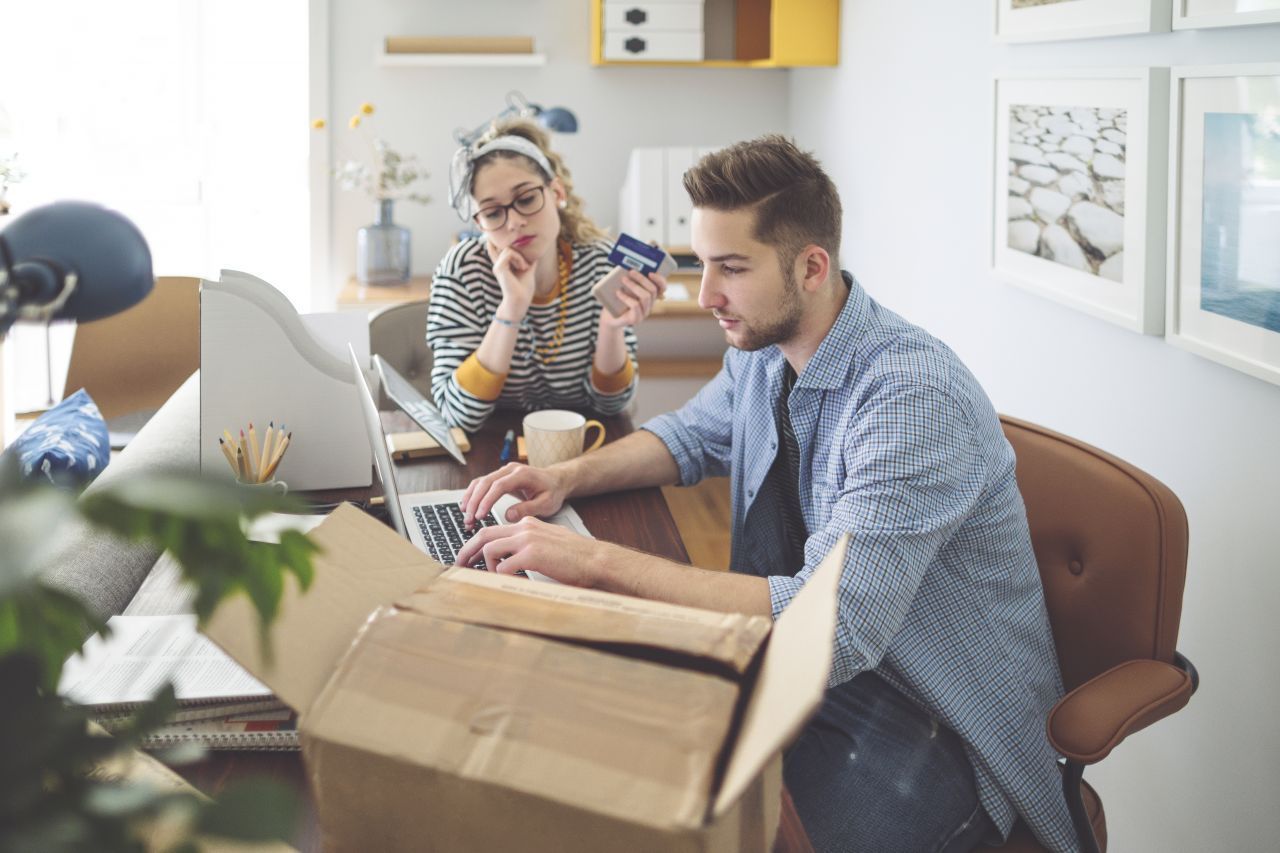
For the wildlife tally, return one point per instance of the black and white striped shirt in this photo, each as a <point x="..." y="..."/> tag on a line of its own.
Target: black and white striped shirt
<point x="465" y="295"/>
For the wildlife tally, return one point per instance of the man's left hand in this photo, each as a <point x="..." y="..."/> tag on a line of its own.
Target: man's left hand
<point x="534" y="545"/>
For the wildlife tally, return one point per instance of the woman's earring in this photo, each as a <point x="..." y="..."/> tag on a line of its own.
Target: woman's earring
<point x="562" y="204"/>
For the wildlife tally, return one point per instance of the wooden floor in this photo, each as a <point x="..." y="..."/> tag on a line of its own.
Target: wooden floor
<point x="702" y="515"/>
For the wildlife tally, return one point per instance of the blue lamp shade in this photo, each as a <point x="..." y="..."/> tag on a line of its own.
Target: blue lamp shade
<point x="106" y="252"/>
<point x="558" y="119"/>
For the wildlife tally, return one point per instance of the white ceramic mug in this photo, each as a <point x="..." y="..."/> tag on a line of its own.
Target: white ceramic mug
<point x="556" y="435"/>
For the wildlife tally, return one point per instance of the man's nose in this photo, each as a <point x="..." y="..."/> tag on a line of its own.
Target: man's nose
<point x="708" y="298"/>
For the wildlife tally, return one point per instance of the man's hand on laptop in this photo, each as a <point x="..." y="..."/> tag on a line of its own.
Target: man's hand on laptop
<point x="534" y="545"/>
<point x="543" y="491"/>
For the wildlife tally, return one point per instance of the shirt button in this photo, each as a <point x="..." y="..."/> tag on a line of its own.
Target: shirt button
<point x="751" y="493"/>
<point x="773" y="445"/>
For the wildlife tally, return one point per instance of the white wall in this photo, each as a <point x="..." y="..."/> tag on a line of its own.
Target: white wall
<point x="617" y="108"/>
<point x="904" y="126"/>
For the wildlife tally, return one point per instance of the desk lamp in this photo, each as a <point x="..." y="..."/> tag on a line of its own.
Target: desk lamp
<point x="555" y="119"/>
<point x="71" y="260"/>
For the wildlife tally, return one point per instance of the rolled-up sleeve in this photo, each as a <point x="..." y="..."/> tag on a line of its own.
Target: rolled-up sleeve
<point x="914" y="473"/>
<point x="610" y="394"/>
<point x="700" y="434"/>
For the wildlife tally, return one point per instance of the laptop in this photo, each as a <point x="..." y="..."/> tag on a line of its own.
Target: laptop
<point x="432" y="521"/>
<point x="418" y="407"/>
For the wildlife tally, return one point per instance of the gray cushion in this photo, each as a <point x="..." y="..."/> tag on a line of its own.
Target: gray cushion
<point x="103" y="570"/>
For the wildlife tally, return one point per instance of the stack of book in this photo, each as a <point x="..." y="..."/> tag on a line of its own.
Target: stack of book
<point x="220" y="706"/>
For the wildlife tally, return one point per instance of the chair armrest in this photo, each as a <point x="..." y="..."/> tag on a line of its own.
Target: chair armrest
<point x="1091" y="720"/>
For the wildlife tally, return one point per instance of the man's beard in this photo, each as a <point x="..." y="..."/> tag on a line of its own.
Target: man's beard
<point x="780" y="329"/>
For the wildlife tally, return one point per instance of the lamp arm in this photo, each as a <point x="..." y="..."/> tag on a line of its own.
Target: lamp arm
<point x="12" y="296"/>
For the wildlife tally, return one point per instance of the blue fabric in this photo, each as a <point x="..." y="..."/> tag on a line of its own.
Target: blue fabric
<point x="68" y="444"/>
<point x="901" y="449"/>
<point x="908" y="775"/>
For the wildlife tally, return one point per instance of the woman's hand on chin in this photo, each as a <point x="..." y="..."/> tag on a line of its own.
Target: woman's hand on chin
<point x="515" y="276"/>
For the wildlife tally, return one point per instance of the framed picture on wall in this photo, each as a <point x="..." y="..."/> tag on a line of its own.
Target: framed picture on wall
<point x="1045" y="20"/>
<point x="1224" y="233"/>
<point x="1194" y="14"/>
<point x="1080" y="190"/>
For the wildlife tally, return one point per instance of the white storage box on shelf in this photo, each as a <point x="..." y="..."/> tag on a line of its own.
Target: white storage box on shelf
<point x="667" y="31"/>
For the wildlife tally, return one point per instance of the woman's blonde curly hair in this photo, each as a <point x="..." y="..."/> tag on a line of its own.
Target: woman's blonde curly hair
<point x="575" y="225"/>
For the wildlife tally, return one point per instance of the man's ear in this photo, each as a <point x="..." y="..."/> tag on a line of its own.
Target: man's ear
<point x="813" y="265"/>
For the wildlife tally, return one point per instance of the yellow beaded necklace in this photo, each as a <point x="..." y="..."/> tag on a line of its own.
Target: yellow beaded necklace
<point x="564" y="265"/>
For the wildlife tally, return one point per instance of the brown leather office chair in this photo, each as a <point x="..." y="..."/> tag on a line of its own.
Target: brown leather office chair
<point x="398" y="333"/>
<point x="1111" y="542"/>
<point x="131" y="362"/>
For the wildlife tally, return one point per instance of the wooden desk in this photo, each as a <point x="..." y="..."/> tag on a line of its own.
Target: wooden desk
<point x="612" y="518"/>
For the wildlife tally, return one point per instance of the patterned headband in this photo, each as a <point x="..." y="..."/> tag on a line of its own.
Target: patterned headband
<point x="463" y="167"/>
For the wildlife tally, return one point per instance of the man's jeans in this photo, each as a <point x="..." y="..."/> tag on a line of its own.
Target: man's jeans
<point x="872" y="772"/>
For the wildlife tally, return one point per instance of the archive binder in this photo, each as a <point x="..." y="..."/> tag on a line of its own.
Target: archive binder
<point x="262" y="361"/>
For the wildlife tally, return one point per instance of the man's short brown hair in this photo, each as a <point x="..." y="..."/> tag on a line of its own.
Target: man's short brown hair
<point x="795" y="203"/>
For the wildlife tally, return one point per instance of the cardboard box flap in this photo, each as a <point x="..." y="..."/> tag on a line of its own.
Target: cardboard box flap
<point x="589" y="616"/>
<point x="362" y="564"/>
<point x="792" y="680"/>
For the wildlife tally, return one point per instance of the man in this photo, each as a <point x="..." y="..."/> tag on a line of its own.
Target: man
<point x="833" y="415"/>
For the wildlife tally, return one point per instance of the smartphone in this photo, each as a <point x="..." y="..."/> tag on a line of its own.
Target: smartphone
<point x="629" y="253"/>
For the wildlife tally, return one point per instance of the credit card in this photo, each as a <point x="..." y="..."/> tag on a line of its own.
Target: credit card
<point x="635" y="254"/>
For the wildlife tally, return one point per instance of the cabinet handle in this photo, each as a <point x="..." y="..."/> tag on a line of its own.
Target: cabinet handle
<point x="634" y="45"/>
<point x="636" y="16"/>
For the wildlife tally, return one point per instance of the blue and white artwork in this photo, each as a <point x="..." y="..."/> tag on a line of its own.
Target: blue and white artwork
<point x="1240" y="239"/>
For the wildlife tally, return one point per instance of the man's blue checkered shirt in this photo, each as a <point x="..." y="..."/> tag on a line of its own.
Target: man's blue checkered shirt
<point x="901" y="449"/>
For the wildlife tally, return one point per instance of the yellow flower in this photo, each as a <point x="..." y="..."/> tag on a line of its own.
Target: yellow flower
<point x="354" y="123"/>
<point x="366" y="108"/>
<point x="318" y="124"/>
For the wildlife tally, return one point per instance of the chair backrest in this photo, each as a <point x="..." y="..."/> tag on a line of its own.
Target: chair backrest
<point x="398" y="333"/>
<point x="134" y="361"/>
<point x="1111" y="542"/>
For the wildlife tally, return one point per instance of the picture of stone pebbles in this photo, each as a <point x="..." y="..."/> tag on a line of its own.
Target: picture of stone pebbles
<point x="1066" y="186"/>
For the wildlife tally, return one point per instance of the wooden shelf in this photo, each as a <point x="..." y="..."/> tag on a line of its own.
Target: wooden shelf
<point x="455" y="60"/>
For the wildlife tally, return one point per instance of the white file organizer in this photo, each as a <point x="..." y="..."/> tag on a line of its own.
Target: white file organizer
<point x="260" y="360"/>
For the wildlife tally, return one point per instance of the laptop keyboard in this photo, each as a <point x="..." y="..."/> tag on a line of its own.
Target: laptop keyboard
<point x="444" y="532"/>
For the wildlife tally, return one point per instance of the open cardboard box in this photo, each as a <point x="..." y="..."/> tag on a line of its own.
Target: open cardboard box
<point x="460" y="710"/>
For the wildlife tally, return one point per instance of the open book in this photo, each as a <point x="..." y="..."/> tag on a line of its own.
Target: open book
<point x="142" y="654"/>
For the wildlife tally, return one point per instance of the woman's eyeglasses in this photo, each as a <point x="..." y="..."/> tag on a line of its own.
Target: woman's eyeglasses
<point x="527" y="203"/>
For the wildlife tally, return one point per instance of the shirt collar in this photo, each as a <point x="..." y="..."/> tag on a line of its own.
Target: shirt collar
<point x="833" y="359"/>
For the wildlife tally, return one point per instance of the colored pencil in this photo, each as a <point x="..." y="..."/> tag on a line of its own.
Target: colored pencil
<point x="279" y="454"/>
<point x="226" y="451"/>
<point x="256" y="452"/>
<point x="266" y="450"/>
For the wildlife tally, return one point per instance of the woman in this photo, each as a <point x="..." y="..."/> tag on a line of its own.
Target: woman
<point x="512" y="322"/>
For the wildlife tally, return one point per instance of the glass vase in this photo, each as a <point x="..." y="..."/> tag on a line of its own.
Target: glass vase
<point x="382" y="249"/>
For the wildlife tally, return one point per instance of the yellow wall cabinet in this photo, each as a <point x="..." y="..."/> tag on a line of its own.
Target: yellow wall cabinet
<point x="732" y="33"/>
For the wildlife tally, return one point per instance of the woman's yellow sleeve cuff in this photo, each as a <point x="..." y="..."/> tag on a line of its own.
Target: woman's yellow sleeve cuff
<point x="612" y="383"/>
<point x="478" y="380"/>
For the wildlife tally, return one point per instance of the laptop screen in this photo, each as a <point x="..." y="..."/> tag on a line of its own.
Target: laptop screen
<point x="378" y="441"/>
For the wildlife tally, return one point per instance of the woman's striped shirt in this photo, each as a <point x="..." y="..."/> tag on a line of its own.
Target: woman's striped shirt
<point x="464" y="298"/>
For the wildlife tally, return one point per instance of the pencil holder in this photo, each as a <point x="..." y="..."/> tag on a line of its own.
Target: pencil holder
<point x="254" y="462"/>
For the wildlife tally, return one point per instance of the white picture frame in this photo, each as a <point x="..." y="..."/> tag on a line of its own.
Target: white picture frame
<point x="1224" y="294"/>
<point x="1078" y="206"/>
<point x="1203" y="14"/>
<point x="1050" y="20"/>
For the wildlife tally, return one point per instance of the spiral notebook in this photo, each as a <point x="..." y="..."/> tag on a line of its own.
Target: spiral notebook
<point x="271" y="730"/>
<point x="123" y="671"/>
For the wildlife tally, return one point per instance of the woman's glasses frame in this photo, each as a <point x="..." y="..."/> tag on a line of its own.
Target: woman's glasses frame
<point x="526" y="203"/>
